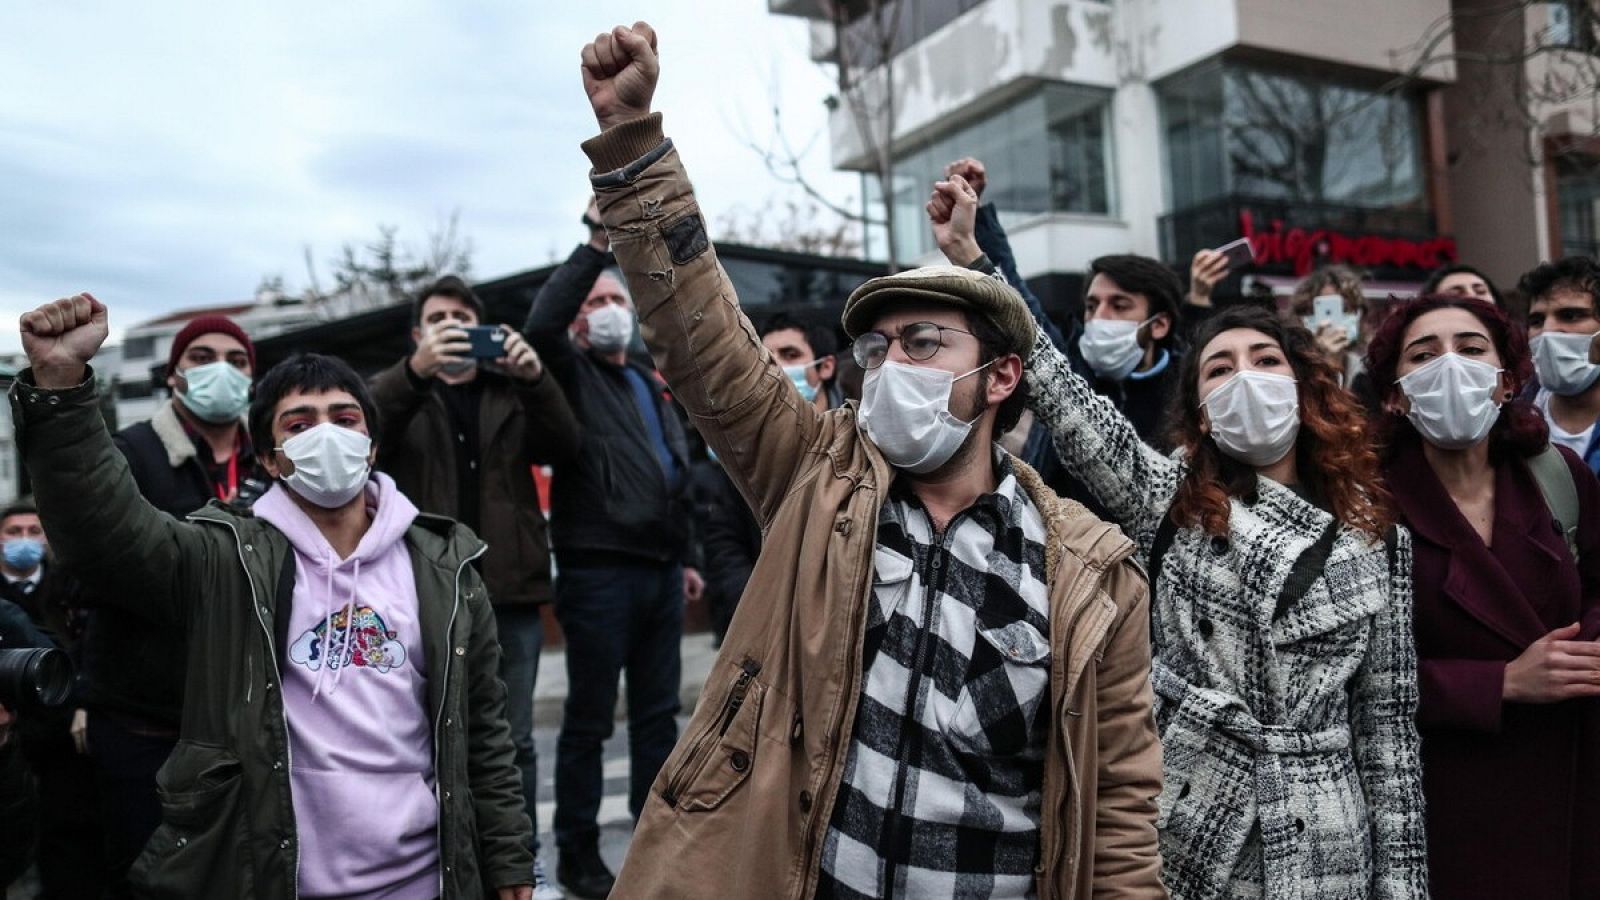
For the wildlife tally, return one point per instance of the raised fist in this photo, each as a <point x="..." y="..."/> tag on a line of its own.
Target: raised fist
<point x="971" y="169"/>
<point x="620" y="69"/>
<point x="61" y="337"/>
<point x="953" y="211"/>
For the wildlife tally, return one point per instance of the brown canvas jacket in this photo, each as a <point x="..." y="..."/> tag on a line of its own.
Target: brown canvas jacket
<point x="741" y="806"/>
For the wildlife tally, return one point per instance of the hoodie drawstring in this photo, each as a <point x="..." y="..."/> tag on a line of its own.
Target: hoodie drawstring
<point x="349" y="627"/>
<point x="348" y="609"/>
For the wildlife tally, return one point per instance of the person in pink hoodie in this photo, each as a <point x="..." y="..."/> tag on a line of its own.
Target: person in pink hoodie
<point x="344" y="731"/>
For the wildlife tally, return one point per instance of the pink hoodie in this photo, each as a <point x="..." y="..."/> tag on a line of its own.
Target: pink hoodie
<point x="360" y="743"/>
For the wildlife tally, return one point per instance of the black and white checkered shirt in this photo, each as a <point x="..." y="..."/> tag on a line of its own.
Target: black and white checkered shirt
<point x="941" y="789"/>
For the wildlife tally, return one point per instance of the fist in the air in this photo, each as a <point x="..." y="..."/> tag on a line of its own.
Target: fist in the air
<point x="620" y="68"/>
<point x="61" y="337"/>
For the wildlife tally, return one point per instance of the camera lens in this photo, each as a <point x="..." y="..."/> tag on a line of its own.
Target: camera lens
<point x="34" y="677"/>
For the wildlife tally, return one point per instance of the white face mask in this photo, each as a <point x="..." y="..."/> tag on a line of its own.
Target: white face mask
<point x="216" y="392"/>
<point x="906" y="412"/>
<point x="1562" y="361"/>
<point x="330" y="464"/>
<point x="1111" y="346"/>
<point x="1255" y="416"/>
<point x="1452" y="400"/>
<point x="610" y="328"/>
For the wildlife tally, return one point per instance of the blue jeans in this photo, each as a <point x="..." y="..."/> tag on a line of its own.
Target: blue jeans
<point x="521" y="638"/>
<point x="622" y="618"/>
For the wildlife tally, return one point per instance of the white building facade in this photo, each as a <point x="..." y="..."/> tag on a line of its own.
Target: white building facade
<point x="1161" y="127"/>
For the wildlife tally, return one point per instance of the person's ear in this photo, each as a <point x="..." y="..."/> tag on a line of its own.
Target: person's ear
<point x="1160" y="328"/>
<point x="269" y="463"/>
<point x="1005" y="377"/>
<point x="416" y="334"/>
<point x="826" y="368"/>
<point x="174" y="379"/>
<point x="1397" y="403"/>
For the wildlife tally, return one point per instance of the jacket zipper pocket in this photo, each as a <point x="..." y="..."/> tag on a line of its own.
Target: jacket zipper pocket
<point x="693" y="761"/>
<point x="748" y="670"/>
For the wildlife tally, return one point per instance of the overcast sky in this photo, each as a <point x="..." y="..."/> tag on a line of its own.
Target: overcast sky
<point x="165" y="154"/>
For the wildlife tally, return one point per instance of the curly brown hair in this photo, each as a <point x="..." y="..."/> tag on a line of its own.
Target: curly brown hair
<point x="1334" y="455"/>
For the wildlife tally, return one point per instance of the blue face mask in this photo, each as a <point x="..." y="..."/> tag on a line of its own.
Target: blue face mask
<point x="797" y="374"/>
<point x="216" y="392"/>
<point x="23" y="554"/>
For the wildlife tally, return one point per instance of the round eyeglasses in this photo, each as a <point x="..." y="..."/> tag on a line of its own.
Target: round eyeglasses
<point x="919" y="340"/>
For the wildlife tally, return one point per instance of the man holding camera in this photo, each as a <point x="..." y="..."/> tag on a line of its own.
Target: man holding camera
<point x="464" y="431"/>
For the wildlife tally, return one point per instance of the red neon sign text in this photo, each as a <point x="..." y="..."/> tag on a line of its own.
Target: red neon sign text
<point x="1306" y="250"/>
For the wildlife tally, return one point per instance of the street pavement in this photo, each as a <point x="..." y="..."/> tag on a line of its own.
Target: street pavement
<point x="616" y="824"/>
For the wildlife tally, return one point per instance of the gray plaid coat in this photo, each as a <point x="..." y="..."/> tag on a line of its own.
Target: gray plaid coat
<point x="1291" y="751"/>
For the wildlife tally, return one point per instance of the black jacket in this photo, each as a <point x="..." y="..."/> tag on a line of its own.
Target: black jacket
<point x="520" y="425"/>
<point x="614" y="499"/>
<point x="730" y="540"/>
<point x="129" y="663"/>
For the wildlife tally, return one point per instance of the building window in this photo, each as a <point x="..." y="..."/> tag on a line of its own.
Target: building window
<point x="135" y="390"/>
<point x="1274" y="135"/>
<point x="1048" y="151"/>
<point x="143" y="347"/>
<point x="1578" y="199"/>
<point x="1572" y="25"/>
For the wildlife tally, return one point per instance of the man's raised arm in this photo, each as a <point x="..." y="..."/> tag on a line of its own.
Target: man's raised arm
<point x="740" y="400"/>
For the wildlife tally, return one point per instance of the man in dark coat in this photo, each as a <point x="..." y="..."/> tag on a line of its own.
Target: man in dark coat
<point x="193" y="450"/>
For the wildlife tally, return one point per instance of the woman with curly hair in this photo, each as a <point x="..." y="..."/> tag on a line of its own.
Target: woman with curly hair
<point x="1284" y="671"/>
<point x="1506" y="577"/>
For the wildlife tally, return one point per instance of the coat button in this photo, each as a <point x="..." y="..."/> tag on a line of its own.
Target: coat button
<point x="740" y="760"/>
<point x="1219" y="545"/>
<point x="277" y="765"/>
<point x="1206" y="628"/>
<point x="449" y="722"/>
<point x="249" y="548"/>
<point x="805" y="801"/>
<point x="447" y="795"/>
<point x="461" y="651"/>
<point x="183" y="842"/>
<point x="283" y="844"/>
<point x="843" y="527"/>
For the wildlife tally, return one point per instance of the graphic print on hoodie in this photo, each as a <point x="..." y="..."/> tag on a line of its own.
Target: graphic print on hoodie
<point x="355" y="694"/>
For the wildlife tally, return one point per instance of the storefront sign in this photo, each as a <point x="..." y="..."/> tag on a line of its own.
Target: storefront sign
<point x="1305" y="250"/>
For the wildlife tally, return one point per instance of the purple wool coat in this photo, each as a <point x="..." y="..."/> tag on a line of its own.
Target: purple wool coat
<point x="1512" y="790"/>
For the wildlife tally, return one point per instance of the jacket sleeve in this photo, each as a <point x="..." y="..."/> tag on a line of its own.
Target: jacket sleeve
<point x="992" y="240"/>
<point x="1384" y="736"/>
<point x="398" y="394"/>
<point x="1127" y="860"/>
<point x="729" y="558"/>
<point x="551" y="435"/>
<point x="17" y="630"/>
<point x="557" y="304"/>
<point x="100" y="526"/>
<point x="505" y="835"/>
<point x="736" y="394"/>
<point x="1099" y="446"/>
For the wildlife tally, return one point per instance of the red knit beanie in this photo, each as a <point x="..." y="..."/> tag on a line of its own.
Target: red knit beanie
<point x="208" y="325"/>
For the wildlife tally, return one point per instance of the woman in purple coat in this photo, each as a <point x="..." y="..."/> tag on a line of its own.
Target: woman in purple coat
<point x="1507" y="605"/>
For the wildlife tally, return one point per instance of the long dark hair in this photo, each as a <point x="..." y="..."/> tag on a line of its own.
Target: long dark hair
<point x="1519" y="430"/>
<point x="1333" y="453"/>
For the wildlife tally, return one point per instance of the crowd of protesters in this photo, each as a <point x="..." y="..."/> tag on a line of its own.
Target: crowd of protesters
<point x="1199" y="596"/>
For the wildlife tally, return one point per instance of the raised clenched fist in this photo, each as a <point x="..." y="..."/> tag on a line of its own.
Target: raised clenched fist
<point x="620" y="68"/>
<point x="61" y="337"/>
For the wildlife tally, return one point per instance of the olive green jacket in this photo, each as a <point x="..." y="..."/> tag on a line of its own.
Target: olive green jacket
<point x="228" y="827"/>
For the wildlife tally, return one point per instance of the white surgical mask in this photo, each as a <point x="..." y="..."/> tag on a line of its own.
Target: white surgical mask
<point x="1562" y="361"/>
<point x="1111" y="346"/>
<point x="330" y="464"/>
<point x="906" y="412"/>
<point x="216" y="392"/>
<point x="1255" y="416"/>
<point x="1453" y="403"/>
<point x="610" y="328"/>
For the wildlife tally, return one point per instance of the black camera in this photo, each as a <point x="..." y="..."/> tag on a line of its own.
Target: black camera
<point x="37" y="677"/>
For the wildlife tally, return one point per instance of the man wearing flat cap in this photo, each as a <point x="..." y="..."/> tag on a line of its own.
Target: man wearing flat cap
<point x="936" y="683"/>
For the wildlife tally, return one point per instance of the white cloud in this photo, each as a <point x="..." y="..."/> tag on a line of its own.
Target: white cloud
<point x="169" y="154"/>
